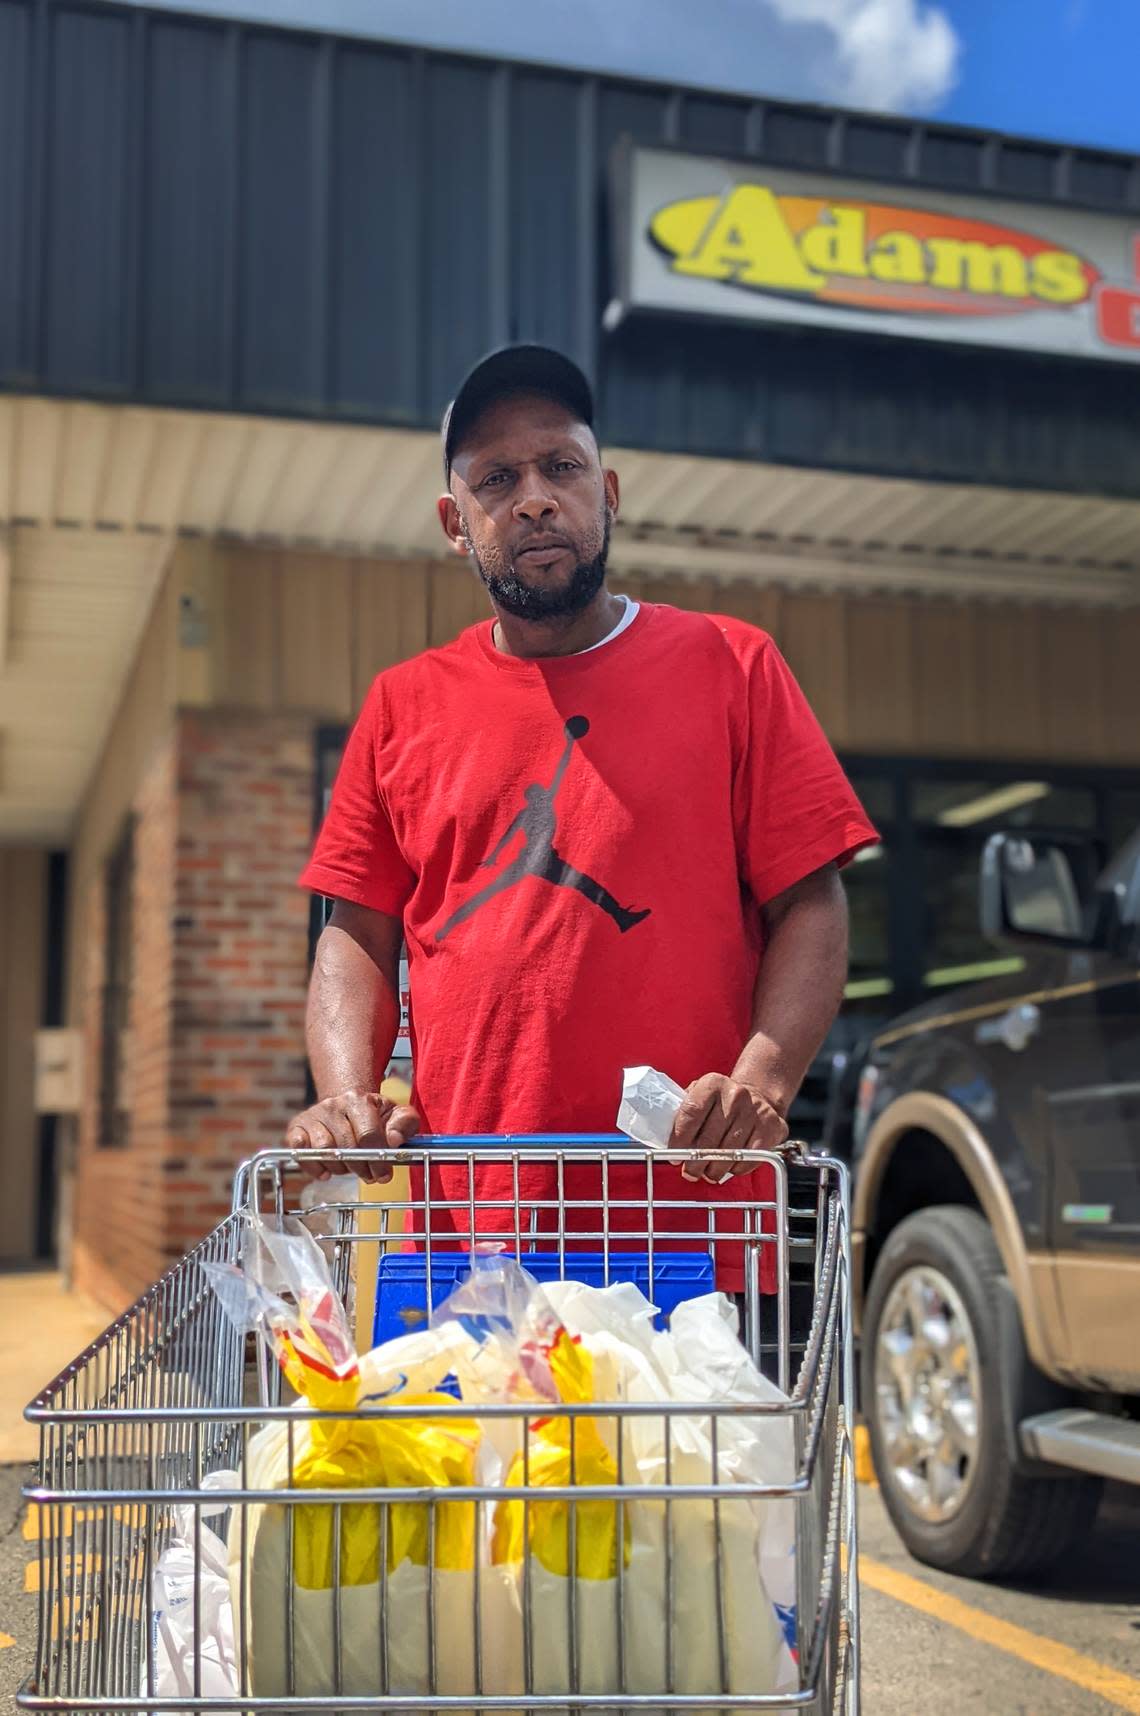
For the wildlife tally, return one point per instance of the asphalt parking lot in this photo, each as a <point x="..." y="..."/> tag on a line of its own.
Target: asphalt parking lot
<point x="932" y="1646"/>
<point x="1068" y="1645"/>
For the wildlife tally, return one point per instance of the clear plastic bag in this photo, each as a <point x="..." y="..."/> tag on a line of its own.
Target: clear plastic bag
<point x="284" y="1289"/>
<point x="571" y="1343"/>
<point x="508" y="1340"/>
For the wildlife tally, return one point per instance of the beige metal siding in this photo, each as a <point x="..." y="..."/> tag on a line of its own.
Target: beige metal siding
<point x="1121" y="633"/>
<point x="891" y="674"/>
<point x="141" y="721"/>
<point x="946" y="676"/>
<point x="392" y="607"/>
<point x="812" y="632"/>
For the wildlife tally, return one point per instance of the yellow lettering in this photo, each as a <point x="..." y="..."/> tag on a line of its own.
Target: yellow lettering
<point x="967" y="265"/>
<point x="744" y="236"/>
<point x="1059" y="277"/>
<point x="838" y="246"/>
<point x="898" y="256"/>
<point x="746" y="239"/>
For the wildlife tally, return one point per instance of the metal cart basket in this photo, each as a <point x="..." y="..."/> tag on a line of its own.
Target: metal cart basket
<point x="172" y="1395"/>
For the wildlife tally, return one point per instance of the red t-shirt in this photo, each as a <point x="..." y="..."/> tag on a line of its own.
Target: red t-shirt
<point x="578" y="848"/>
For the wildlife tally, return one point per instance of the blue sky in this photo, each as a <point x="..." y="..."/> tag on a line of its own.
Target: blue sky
<point x="1047" y="68"/>
<point x="1051" y="68"/>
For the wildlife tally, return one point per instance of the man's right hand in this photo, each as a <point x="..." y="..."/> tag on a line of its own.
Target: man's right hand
<point x="354" y="1120"/>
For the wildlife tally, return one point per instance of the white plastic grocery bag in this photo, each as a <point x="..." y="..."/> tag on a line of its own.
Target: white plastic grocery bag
<point x="378" y="1628"/>
<point x="668" y="1620"/>
<point x="172" y="1638"/>
<point x="649" y="1603"/>
<point x="398" y="1626"/>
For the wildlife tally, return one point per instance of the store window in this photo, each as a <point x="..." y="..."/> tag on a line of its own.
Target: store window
<point x="868" y="880"/>
<point x="1123" y="817"/>
<point x="118" y="971"/>
<point x="879" y="796"/>
<point x="953" y="819"/>
<point x="914" y="908"/>
<point x="330" y="748"/>
<point x="867" y="902"/>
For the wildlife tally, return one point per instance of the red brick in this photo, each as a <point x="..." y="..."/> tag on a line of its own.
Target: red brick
<point x="221" y="938"/>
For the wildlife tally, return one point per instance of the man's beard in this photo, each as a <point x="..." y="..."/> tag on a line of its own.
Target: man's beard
<point x="509" y="592"/>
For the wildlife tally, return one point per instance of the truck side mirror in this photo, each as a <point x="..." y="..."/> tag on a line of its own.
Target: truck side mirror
<point x="1037" y="890"/>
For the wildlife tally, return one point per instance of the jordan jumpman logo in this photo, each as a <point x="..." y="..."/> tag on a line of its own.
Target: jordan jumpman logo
<point x="537" y="822"/>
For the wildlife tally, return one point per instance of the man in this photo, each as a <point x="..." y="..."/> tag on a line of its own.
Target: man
<point x="610" y="833"/>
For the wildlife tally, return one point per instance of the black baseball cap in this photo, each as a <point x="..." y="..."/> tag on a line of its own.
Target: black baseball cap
<point x="515" y="369"/>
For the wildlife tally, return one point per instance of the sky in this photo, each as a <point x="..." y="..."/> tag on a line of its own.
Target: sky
<point x="1057" y="69"/>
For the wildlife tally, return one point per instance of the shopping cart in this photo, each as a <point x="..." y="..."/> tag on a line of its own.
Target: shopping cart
<point x="172" y="1393"/>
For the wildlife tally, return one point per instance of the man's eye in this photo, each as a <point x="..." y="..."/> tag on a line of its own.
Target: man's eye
<point x="562" y="465"/>
<point x="495" y="480"/>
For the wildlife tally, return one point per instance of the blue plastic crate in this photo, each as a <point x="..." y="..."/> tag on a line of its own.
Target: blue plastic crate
<point x="401" y="1284"/>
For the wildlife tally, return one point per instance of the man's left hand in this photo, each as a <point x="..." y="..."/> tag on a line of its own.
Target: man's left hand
<point x="718" y="1114"/>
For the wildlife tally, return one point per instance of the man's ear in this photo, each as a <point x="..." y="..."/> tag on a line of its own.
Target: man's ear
<point x="613" y="491"/>
<point x="452" y="523"/>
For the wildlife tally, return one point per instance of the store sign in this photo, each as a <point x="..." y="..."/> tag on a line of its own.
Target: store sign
<point x="729" y="239"/>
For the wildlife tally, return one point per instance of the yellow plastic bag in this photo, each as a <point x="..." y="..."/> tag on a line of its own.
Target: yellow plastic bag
<point x="285" y="1290"/>
<point x="564" y="1451"/>
<point x="363" y="1453"/>
<point x="397" y="1454"/>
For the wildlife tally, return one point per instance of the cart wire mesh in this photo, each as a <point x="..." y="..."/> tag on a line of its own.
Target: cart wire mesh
<point x="171" y="1393"/>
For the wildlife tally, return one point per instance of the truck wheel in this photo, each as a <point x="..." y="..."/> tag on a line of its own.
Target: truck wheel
<point x="932" y="1393"/>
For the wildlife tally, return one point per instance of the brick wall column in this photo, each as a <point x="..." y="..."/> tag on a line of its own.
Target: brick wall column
<point x="120" y="1240"/>
<point x="216" y="1063"/>
<point x="240" y="937"/>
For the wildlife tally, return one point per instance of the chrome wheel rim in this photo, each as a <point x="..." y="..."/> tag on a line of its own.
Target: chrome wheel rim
<point x="927" y="1394"/>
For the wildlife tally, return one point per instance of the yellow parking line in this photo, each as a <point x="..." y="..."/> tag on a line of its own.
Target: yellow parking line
<point x="1120" y="1690"/>
<point x="864" y="1465"/>
<point x="73" y="1567"/>
<point x="6" y="1641"/>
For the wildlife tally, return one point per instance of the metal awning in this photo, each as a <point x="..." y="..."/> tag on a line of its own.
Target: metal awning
<point x="72" y="606"/>
<point x="92" y="498"/>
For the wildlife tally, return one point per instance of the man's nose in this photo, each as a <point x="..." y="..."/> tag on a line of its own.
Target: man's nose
<point x="535" y="500"/>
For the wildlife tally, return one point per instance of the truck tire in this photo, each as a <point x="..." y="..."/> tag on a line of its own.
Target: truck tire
<point x="932" y="1394"/>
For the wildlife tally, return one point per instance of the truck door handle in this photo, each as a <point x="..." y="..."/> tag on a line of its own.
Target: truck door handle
<point x="1015" y="1029"/>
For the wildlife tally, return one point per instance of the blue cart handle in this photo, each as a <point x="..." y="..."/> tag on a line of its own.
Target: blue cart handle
<point x="269" y="1159"/>
<point x="523" y="1141"/>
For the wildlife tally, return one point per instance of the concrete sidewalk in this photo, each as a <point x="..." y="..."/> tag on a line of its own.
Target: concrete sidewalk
<point x="42" y="1328"/>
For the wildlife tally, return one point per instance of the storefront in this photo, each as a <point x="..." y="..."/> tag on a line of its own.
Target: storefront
<point x="869" y="384"/>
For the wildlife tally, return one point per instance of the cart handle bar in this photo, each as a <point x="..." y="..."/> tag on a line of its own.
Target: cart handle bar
<point x="520" y="1142"/>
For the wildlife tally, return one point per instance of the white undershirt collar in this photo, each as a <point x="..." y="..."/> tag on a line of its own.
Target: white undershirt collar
<point x="627" y="619"/>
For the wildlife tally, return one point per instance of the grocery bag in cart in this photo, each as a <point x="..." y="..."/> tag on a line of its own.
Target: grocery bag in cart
<point x="566" y="1497"/>
<point x="614" y="1589"/>
<point x="311" y="1574"/>
<point x="637" y="1591"/>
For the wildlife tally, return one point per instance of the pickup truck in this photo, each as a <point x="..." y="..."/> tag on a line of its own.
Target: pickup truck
<point x="995" y="1138"/>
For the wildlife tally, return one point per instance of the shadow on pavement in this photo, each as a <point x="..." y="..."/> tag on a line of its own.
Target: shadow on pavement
<point x="1104" y="1568"/>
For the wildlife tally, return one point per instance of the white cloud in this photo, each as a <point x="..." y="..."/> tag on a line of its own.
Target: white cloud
<point x="890" y="54"/>
<point x="894" y="55"/>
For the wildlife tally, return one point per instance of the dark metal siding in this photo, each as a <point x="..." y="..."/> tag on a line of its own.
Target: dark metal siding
<point x="195" y="212"/>
<point x="17" y="183"/>
<point x="374" y="302"/>
<point x="186" y="305"/>
<point x="873" y="406"/>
